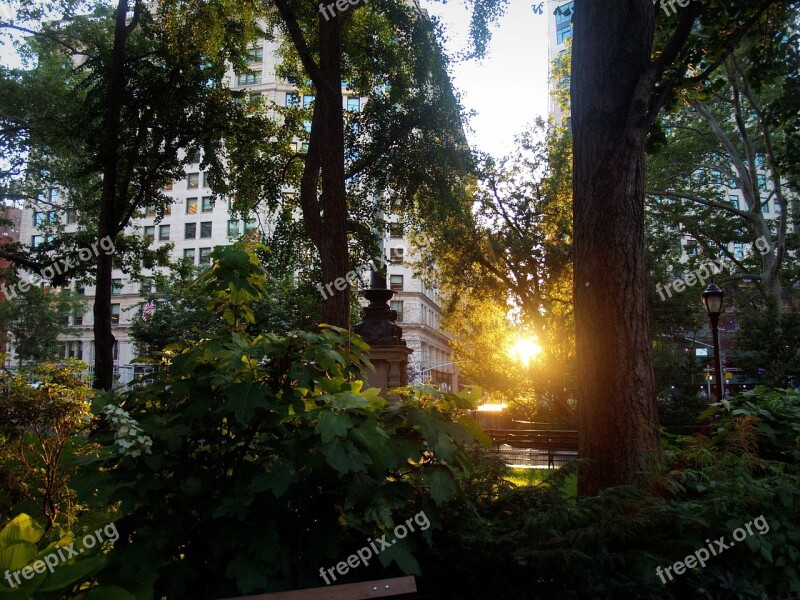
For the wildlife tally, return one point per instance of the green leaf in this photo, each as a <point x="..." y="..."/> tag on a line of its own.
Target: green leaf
<point x="344" y="457"/>
<point x="332" y="425"/>
<point x="21" y="528"/>
<point x="441" y="482"/>
<point x="17" y="555"/>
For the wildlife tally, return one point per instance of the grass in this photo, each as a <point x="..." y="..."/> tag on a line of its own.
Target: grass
<point x="526" y="477"/>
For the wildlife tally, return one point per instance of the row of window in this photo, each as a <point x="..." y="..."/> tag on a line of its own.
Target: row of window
<point x="293" y="100"/>
<point x="765" y="204"/>
<point x="190" y="230"/>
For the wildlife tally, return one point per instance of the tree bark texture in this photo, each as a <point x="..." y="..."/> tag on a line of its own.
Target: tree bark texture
<point x="617" y="416"/>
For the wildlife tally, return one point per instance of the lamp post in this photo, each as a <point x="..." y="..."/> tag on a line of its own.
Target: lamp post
<point x="712" y="299"/>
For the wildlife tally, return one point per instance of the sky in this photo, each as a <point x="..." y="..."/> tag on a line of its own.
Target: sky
<point x="508" y="89"/>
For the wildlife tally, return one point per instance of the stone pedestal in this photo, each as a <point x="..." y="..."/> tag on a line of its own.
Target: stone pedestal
<point x="391" y="367"/>
<point x="388" y="350"/>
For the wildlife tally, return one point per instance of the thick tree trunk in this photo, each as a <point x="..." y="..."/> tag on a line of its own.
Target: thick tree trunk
<point x="103" y="336"/>
<point x="617" y="417"/>
<point x="333" y="249"/>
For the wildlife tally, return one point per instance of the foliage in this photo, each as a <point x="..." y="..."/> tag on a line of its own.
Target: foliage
<point x="35" y="319"/>
<point x="181" y="313"/>
<point x="269" y="460"/>
<point x="45" y="417"/>
<point x="23" y="546"/>
<point x="769" y="343"/>
<point x="505" y="266"/>
<point x="537" y="541"/>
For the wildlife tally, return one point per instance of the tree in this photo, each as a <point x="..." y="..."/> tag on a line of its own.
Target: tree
<point x="507" y="257"/>
<point x="727" y="138"/>
<point x="41" y="431"/>
<point x="628" y="62"/>
<point x="35" y="319"/>
<point x="144" y="91"/>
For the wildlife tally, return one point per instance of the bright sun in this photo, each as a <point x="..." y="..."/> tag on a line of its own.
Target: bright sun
<point x="524" y="350"/>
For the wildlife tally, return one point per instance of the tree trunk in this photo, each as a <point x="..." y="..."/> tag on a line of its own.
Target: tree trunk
<point x="617" y="416"/>
<point x="333" y="250"/>
<point x="103" y="336"/>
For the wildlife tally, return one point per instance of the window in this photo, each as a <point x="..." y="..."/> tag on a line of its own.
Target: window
<point x="72" y="216"/>
<point x="292" y="100"/>
<point x="77" y="318"/>
<point x="716" y="177"/>
<point x="195" y="157"/>
<point x="115" y="312"/>
<point x="691" y="248"/>
<point x="250" y="224"/>
<point x="734" y="198"/>
<point x="205" y="180"/>
<point x="189" y="254"/>
<point x="354" y="104"/>
<point x="205" y="229"/>
<point x="80" y="289"/>
<point x="163" y="232"/>
<point x="254" y="97"/>
<point x="396" y="282"/>
<point x="208" y="203"/>
<point x="193" y="181"/>
<point x="249" y="78"/>
<point x="308" y="100"/>
<point x="396" y="255"/>
<point x="168" y="210"/>
<point x="190" y="231"/>
<point x="255" y="54"/>
<point x="36" y="241"/>
<point x="563" y="34"/>
<point x="764" y="205"/>
<point x="738" y="250"/>
<point x="74" y="350"/>
<point x="147" y="286"/>
<point x="150" y="233"/>
<point x="307" y="127"/>
<point x="191" y="206"/>
<point x="396" y="231"/>
<point x="53" y="195"/>
<point x="304" y="148"/>
<point x="777" y="206"/>
<point x="732" y="184"/>
<point x="762" y="182"/>
<point x="150" y="211"/>
<point x="398" y="306"/>
<point x="168" y="186"/>
<point x="116" y="287"/>
<point x="38" y="218"/>
<point x="233" y="229"/>
<point x="205" y="256"/>
<point x="52" y="217"/>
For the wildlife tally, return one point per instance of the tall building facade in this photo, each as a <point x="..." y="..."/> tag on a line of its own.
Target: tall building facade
<point x="196" y="222"/>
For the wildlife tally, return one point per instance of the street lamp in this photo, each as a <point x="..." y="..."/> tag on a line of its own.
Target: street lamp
<point x="712" y="299"/>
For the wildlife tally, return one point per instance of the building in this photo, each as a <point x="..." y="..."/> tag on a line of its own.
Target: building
<point x="9" y="234"/>
<point x="196" y="223"/>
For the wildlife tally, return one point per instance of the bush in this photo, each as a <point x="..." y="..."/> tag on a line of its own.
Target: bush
<point x="536" y="541"/>
<point x="253" y="461"/>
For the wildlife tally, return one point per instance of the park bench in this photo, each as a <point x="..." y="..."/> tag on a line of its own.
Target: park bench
<point x="380" y="588"/>
<point x="548" y="440"/>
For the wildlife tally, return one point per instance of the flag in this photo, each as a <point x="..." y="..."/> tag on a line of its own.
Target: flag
<point x="148" y="309"/>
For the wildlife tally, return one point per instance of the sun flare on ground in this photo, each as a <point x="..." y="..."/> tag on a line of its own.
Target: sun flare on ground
<point x="524" y="350"/>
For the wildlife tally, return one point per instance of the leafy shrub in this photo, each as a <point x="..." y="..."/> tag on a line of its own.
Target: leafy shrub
<point x="44" y="415"/>
<point x="268" y="460"/>
<point x="537" y="542"/>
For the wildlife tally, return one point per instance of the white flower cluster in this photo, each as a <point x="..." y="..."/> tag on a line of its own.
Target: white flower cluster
<point x="127" y="433"/>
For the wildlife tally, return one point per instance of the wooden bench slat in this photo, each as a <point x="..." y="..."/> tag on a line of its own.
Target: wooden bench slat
<point x="379" y="588"/>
